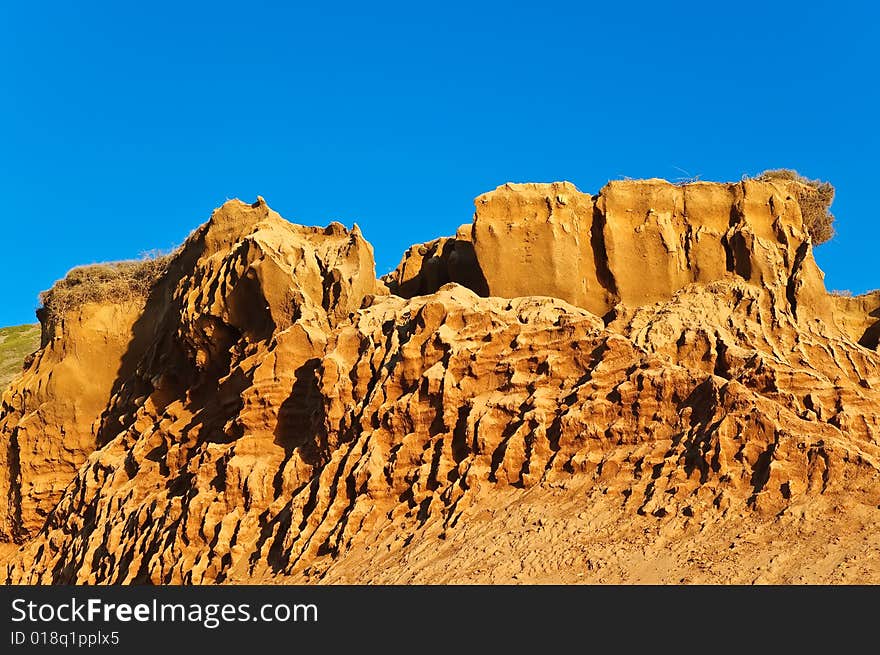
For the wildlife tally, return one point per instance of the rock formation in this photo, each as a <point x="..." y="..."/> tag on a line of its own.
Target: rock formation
<point x="643" y="385"/>
<point x="636" y="242"/>
<point x="859" y="317"/>
<point x="48" y="416"/>
<point x="428" y="266"/>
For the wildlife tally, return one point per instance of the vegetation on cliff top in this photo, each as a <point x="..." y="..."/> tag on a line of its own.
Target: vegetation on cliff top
<point x="106" y="282"/>
<point x="815" y="198"/>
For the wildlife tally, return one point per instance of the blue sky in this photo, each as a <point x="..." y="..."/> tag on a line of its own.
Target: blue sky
<point x="123" y="125"/>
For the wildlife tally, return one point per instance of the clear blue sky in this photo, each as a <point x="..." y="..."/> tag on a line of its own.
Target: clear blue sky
<point x="123" y="125"/>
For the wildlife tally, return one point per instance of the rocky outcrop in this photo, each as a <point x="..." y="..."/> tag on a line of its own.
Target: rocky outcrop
<point x="543" y="240"/>
<point x="660" y="237"/>
<point x="228" y="288"/>
<point x="859" y="316"/>
<point x="48" y="415"/>
<point x="637" y="242"/>
<point x="428" y="266"/>
<point x="284" y="418"/>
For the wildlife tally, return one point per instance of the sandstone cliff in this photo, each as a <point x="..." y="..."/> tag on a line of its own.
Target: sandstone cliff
<point x="47" y="416"/>
<point x="859" y="317"/>
<point x="636" y="242"/>
<point x="650" y="384"/>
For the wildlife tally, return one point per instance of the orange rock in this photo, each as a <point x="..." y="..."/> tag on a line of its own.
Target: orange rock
<point x="543" y="240"/>
<point x="637" y="242"/>
<point x="859" y="316"/>
<point x="667" y="394"/>
<point x="428" y="266"/>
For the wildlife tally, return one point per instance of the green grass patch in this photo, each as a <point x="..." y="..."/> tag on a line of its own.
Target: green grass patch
<point x="16" y="343"/>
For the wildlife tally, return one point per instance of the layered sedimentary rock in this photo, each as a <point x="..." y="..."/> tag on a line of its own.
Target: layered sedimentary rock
<point x="289" y="420"/>
<point x="543" y="239"/>
<point x="428" y="266"/>
<point x="239" y="279"/>
<point x="48" y="415"/>
<point x="859" y="316"/>
<point x="636" y="242"/>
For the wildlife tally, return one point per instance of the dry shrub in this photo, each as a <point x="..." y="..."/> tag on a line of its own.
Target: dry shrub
<point x="104" y="283"/>
<point x="814" y="197"/>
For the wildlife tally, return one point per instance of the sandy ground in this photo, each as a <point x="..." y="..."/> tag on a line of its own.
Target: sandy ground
<point x="576" y="537"/>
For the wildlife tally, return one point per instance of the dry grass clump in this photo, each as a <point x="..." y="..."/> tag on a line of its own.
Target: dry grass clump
<point x="104" y="283"/>
<point x="814" y="197"/>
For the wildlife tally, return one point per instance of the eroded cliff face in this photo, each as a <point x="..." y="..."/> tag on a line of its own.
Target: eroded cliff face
<point x="654" y="370"/>
<point x="859" y="317"/>
<point x="48" y="415"/>
<point x="637" y="242"/>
